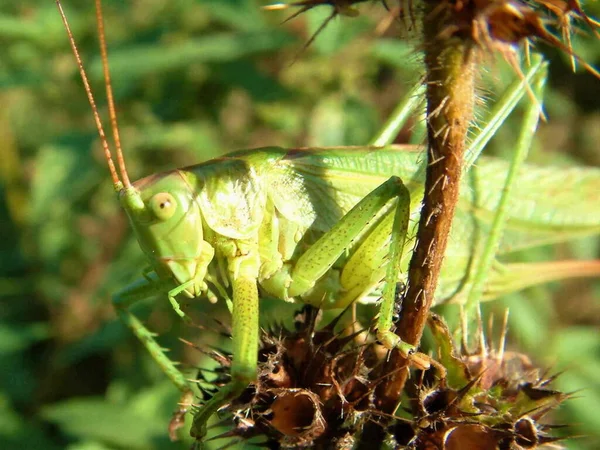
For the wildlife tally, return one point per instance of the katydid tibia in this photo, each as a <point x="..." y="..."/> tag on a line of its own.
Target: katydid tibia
<point x="325" y="227"/>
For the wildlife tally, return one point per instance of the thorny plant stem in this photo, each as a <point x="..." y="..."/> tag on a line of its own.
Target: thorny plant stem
<point x="450" y="95"/>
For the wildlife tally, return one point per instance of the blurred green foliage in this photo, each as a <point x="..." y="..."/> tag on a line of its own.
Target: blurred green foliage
<point x="194" y="79"/>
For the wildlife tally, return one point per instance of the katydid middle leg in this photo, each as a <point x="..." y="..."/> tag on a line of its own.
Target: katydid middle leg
<point x="245" y="329"/>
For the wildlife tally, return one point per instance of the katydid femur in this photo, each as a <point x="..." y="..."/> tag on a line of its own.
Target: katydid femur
<point x="324" y="227"/>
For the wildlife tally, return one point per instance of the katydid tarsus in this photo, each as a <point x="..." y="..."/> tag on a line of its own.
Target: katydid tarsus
<point x="326" y="227"/>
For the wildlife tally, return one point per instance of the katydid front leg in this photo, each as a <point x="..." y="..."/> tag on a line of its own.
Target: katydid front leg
<point x="245" y="351"/>
<point x="140" y="290"/>
<point x="360" y="274"/>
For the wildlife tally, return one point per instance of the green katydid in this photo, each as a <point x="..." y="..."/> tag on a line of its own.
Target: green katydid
<point x="326" y="227"/>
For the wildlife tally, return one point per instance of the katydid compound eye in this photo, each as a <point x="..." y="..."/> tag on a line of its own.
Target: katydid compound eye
<point x="163" y="205"/>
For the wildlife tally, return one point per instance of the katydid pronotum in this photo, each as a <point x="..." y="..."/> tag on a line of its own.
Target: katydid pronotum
<point x="326" y="227"/>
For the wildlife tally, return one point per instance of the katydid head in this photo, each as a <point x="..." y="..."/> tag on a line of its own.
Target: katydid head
<point x="161" y="208"/>
<point x="168" y="225"/>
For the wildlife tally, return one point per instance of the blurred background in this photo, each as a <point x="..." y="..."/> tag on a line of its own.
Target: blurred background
<point x="194" y="79"/>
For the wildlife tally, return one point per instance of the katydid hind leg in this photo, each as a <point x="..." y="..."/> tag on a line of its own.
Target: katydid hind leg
<point x="245" y="330"/>
<point x="387" y="307"/>
<point x="485" y="261"/>
<point x="320" y="257"/>
<point x="142" y="289"/>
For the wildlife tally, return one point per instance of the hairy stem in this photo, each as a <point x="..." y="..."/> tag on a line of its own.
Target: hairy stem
<point x="449" y="91"/>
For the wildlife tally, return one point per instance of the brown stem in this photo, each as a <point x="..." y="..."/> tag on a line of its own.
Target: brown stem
<point x="450" y="91"/>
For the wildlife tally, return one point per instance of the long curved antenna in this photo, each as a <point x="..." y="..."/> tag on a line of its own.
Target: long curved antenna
<point x="112" y="113"/>
<point x="90" y="96"/>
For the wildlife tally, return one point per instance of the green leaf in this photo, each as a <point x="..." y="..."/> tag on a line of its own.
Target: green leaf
<point x="141" y="423"/>
<point x="135" y="61"/>
<point x="15" y="338"/>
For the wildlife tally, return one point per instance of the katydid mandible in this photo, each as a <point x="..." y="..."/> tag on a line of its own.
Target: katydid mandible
<point x="324" y="227"/>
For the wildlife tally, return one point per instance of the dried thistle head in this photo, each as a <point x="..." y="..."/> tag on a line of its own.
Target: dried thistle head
<point x="505" y="25"/>
<point x="316" y="388"/>
<point x="486" y="25"/>
<point x="487" y="399"/>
